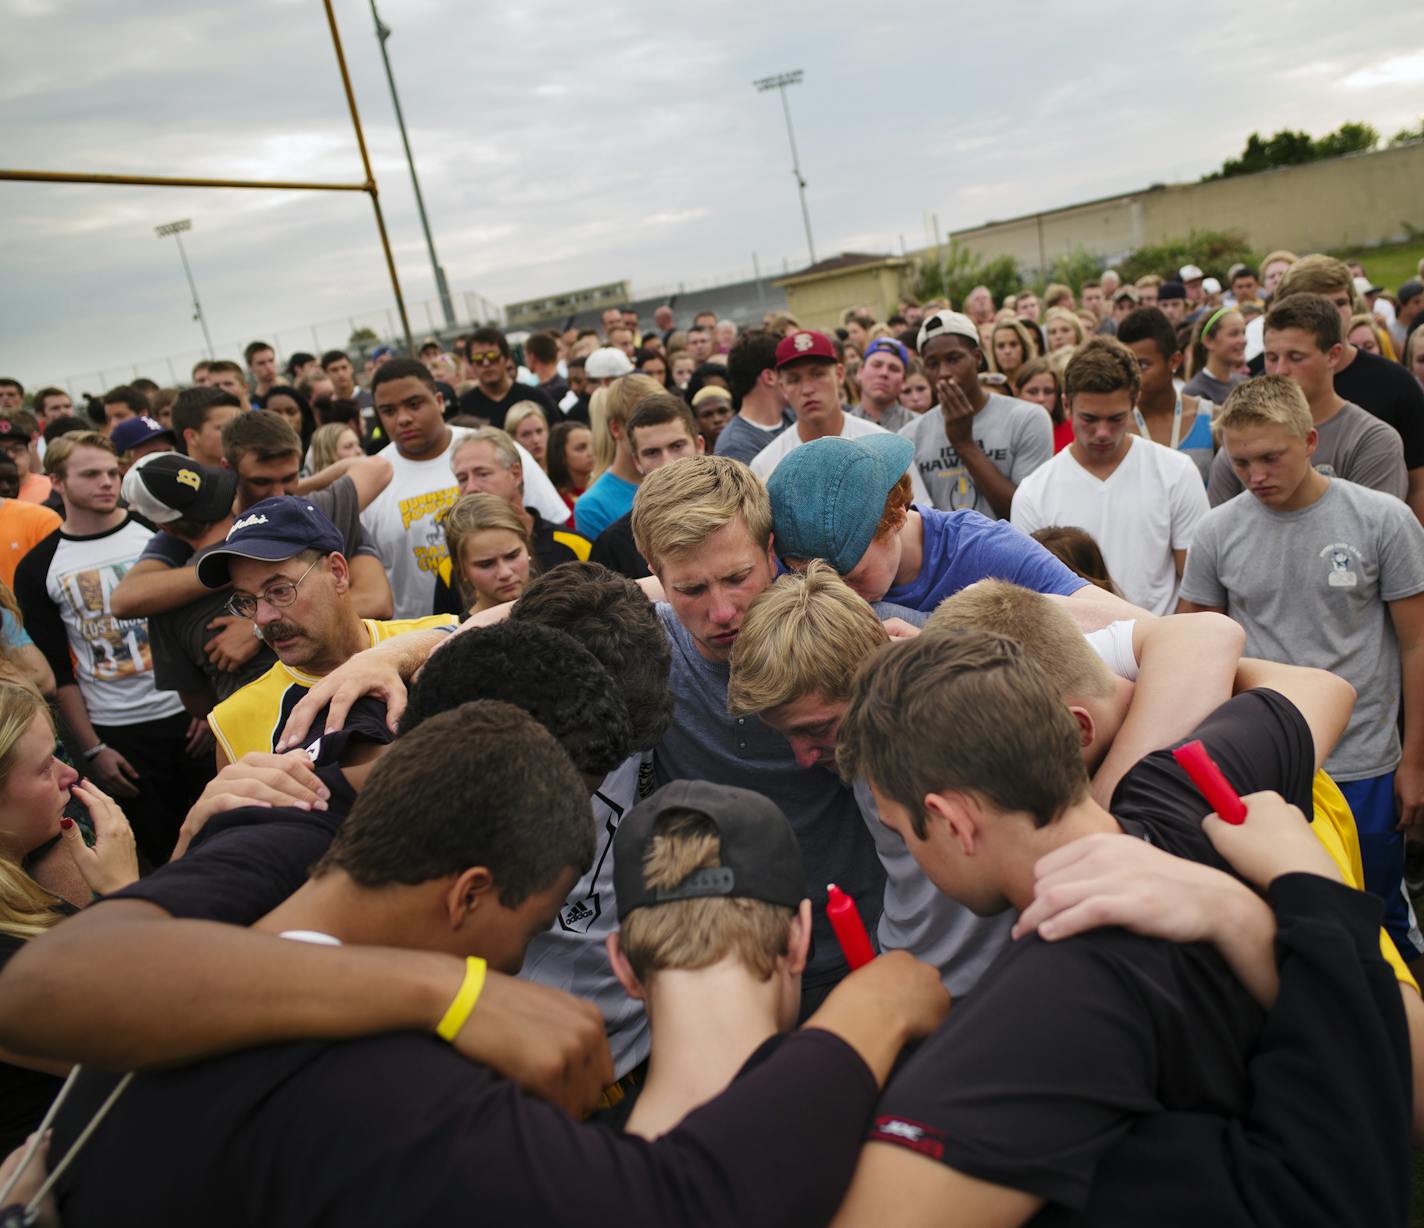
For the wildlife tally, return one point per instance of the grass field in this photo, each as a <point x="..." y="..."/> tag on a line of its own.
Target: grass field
<point x="1387" y="266"/>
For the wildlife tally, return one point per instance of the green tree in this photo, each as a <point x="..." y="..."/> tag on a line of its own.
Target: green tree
<point x="1213" y="251"/>
<point x="1074" y="268"/>
<point x="1407" y="136"/>
<point x="363" y="338"/>
<point x="959" y="270"/>
<point x="1290" y="148"/>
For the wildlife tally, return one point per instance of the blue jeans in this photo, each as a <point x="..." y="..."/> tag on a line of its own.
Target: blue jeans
<point x="1382" y="852"/>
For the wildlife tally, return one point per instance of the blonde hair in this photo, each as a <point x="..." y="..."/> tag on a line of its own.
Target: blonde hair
<point x="57" y="453"/>
<point x="805" y="635"/>
<point x="1069" y="317"/>
<point x="698" y="933"/>
<point x="678" y="507"/>
<point x="1148" y="279"/>
<point x="1048" y="634"/>
<point x="1056" y="294"/>
<point x="478" y="513"/>
<point x="619" y="400"/>
<point x="324" y="442"/>
<point x="780" y="321"/>
<point x="1289" y="257"/>
<point x="1267" y="400"/>
<point x="517" y="414"/>
<point x="1315" y="275"/>
<point x="26" y="908"/>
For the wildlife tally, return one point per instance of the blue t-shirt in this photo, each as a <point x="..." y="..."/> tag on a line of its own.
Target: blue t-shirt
<point x="608" y="499"/>
<point x="964" y="547"/>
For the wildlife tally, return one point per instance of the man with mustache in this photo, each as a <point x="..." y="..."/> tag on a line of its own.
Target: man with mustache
<point x="284" y="561"/>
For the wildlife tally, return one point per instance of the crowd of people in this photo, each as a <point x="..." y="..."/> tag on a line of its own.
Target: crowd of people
<point x="420" y="786"/>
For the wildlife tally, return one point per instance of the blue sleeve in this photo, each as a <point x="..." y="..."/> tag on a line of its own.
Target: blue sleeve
<point x="14" y="635"/>
<point x="1010" y="554"/>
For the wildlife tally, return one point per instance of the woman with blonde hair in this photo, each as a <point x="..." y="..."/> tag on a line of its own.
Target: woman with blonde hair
<point x="526" y="422"/>
<point x="491" y="553"/>
<point x="1063" y="329"/>
<point x="47" y="872"/>
<point x="333" y="442"/>
<point x="1366" y="333"/>
<point x="1012" y="346"/>
<point x="616" y="479"/>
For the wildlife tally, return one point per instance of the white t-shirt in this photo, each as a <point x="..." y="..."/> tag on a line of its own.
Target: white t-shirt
<point x="402" y="522"/>
<point x="852" y="428"/>
<point x="1147" y="508"/>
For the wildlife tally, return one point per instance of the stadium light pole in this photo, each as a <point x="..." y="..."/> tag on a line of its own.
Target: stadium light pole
<point x="176" y="229"/>
<point x="383" y="32"/>
<point x="780" y="82"/>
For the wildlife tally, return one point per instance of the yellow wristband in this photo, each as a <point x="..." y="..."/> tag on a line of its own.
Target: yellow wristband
<point x="464" y="1001"/>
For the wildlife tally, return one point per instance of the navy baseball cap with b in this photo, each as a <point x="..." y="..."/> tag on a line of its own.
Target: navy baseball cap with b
<point x="273" y="530"/>
<point x="167" y="486"/>
<point x="760" y="856"/>
<point x="827" y="496"/>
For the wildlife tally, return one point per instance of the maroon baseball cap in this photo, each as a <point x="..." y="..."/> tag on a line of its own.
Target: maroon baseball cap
<point x="806" y="344"/>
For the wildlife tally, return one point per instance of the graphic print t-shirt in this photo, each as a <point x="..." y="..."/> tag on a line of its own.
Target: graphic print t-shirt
<point x="63" y="586"/>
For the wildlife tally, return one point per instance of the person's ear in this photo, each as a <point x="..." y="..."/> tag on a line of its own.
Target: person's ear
<point x="699" y="444"/>
<point x="1175" y="362"/>
<point x="1087" y="727"/>
<point x="949" y="816"/>
<point x="340" y="571"/>
<point x="983" y="362"/>
<point x="798" y="941"/>
<point x="1312" y="440"/>
<point x="622" y="969"/>
<point x="1333" y="356"/>
<point x="467" y="892"/>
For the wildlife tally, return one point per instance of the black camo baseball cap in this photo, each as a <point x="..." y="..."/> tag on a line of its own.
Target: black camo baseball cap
<point x="761" y="859"/>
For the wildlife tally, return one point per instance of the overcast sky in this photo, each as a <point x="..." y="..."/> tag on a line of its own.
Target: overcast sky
<point x="562" y="145"/>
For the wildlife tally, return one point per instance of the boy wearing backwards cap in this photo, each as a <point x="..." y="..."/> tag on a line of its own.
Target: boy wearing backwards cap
<point x="980" y="445"/>
<point x="714" y="934"/>
<point x="810" y="379"/>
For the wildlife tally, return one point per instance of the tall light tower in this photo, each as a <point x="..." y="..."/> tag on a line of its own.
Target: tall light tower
<point x="383" y="32"/>
<point x="780" y="82"/>
<point x="176" y="229"/>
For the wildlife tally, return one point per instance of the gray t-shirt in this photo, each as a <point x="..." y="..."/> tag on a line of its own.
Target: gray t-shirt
<point x="1353" y="445"/>
<point x="1205" y="384"/>
<point x="921" y="919"/>
<point x="742" y="440"/>
<point x="570" y="955"/>
<point x="1310" y="588"/>
<point x="1016" y="435"/>
<point x="706" y="742"/>
<point x="895" y="418"/>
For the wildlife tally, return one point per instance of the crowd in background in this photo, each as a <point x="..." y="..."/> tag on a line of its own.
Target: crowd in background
<point x="347" y="650"/>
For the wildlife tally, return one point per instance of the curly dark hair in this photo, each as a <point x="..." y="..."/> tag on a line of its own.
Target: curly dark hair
<point x="610" y="616"/>
<point x="480" y="785"/>
<point x="543" y="670"/>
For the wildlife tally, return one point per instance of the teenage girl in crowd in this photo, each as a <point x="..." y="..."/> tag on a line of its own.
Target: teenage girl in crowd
<point x="490" y="548"/>
<point x="1041" y="383"/>
<point x="570" y="460"/>
<point x="526" y="422"/>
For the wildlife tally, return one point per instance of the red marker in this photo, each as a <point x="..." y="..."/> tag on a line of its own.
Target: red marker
<point x="844" y="917"/>
<point x="1213" y="785"/>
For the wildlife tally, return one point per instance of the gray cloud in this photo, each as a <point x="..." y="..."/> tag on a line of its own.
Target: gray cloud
<point x="559" y="149"/>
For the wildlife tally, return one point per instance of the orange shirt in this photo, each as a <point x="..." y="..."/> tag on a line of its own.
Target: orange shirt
<point x="22" y="527"/>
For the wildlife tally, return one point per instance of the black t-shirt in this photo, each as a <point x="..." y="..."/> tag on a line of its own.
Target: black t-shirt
<point x="1064" y="1046"/>
<point x="477" y="403"/>
<point x="1392" y="394"/>
<point x="616" y="549"/>
<point x="400" y="1129"/>
<point x="25" y="1094"/>
<point x="178" y="642"/>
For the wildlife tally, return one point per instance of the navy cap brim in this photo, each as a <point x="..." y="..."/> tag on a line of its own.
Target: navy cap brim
<point x="213" y="569"/>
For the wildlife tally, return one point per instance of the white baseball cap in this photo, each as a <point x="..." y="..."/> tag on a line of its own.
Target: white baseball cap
<point x="947" y="324"/>
<point x="1189" y="272"/>
<point x="607" y="363"/>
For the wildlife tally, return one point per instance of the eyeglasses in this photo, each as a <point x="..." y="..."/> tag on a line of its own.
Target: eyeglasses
<point x="486" y="357"/>
<point x="280" y="594"/>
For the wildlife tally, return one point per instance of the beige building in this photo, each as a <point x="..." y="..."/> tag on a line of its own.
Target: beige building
<point x="818" y="296"/>
<point x="1354" y="201"/>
